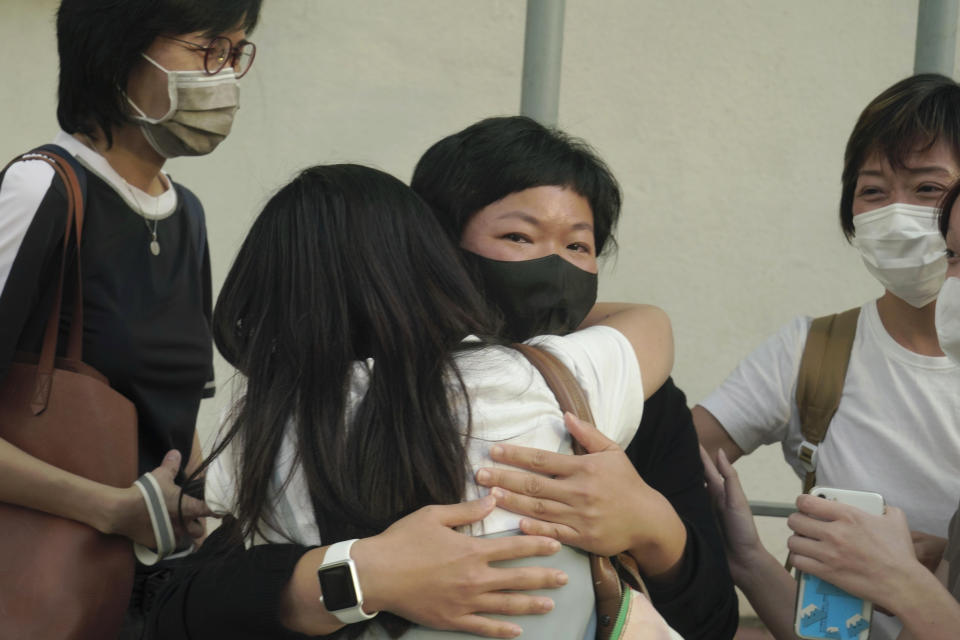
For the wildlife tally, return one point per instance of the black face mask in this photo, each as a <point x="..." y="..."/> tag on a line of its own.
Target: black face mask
<point x="536" y="297"/>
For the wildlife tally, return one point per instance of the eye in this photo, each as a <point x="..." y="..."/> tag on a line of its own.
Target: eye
<point x="951" y="254"/>
<point x="930" y="189"/>
<point x="868" y="191"/>
<point x="580" y="247"/>
<point x="516" y="237"/>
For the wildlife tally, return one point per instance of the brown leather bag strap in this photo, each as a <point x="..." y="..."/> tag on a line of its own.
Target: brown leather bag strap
<point x="608" y="573"/>
<point x="74" y="221"/>
<point x="565" y="388"/>
<point x="823" y="370"/>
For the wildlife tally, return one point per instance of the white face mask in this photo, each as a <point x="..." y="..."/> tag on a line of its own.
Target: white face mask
<point x="200" y="114"/>
<point x="947" y="319"/>
<point x="903" y="249"/>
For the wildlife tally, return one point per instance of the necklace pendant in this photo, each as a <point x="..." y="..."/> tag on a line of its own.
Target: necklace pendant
<point x="155" y="247"/>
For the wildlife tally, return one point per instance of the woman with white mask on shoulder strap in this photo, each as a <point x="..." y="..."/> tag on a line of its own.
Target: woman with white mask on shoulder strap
<point x="869" y="556"/>
<point x="895" y="430"/>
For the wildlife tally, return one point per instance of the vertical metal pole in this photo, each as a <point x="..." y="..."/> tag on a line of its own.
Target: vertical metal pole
<point x="542" y="49"/>
<point x="936" y="37"/>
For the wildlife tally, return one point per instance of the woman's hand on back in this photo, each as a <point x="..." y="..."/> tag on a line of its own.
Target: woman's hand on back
<point x="420" y="568"/>
<point x="596" y="502"/>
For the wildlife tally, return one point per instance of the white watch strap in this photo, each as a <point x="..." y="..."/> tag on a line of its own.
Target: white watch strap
<point x="340" y="552"/>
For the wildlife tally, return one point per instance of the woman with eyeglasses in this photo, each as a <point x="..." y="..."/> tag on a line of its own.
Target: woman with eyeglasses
<point x="140" y="82"/>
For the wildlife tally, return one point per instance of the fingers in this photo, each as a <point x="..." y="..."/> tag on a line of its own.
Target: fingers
<point x="195" y="528"/>
<point x="170" y="465"/>
<point x="521" y="579"/>
<point x="800" y="545"/>
<point x="587" y="434"/>
<point x="522" y="482"/>
<point x="512" y="547"/>
<point x="822" y="508"/>
<point x="733" y="490"/>
<point x="478" y="625"/>
<point x="455" y="515"/>
<point x="810" y="565"/>
<point x="545" y="462"/>
<point x="806" y="526"/>
<point x="561" y="532"/>
<point x="506" y="603"/>
<point x="540" y="508"/>
<point x="192" y="508"/>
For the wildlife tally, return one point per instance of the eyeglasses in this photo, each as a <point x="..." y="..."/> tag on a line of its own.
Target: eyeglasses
<point x="221" y="51"/>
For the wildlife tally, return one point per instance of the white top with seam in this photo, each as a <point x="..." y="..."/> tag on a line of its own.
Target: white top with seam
<point x="517" y="408"/>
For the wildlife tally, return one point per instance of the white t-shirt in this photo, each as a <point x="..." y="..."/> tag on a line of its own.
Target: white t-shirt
<point x="509" y="402"/>
<point x="896" y="431"/>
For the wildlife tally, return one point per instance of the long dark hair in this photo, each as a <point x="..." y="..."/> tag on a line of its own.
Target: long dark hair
<point x="346" y="263"/>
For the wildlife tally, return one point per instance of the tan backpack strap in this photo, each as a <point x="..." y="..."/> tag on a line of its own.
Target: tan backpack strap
<point x="823" y="369"/>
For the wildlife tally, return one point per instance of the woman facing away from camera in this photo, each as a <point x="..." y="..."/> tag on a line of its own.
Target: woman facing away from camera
<point x="140" y="82"/>
<point x="372" y="389"/>
<point x="895" y="431"/>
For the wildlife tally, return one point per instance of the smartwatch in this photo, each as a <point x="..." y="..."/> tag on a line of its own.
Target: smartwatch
<point x="339" y="586"/>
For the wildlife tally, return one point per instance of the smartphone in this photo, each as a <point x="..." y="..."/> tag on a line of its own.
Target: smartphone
<point x="823" y="610"/>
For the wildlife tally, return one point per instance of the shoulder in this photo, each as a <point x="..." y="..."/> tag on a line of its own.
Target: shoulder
<point x="32" y="210"/>
<point x="24" y="186"/>
<point x="192" y="210"/>
<point x="604" y="363"/>
<point x="190" y="203"/>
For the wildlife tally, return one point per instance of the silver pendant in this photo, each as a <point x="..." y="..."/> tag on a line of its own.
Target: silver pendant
<point x="155" y="247"/>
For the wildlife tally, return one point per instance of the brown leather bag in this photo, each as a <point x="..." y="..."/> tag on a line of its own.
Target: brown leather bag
<point x="60" y="578"/>
<point x="613" y="578"/>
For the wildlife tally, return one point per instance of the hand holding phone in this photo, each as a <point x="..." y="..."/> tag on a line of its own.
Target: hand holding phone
<point x="823" y="610"/>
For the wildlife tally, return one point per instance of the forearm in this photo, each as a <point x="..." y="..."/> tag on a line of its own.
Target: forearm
<point x="300" y="608"/>
<point x="660" y="552"/>
<point x="196" y="604"/>
<point x="926" y="608"/>
<point x="697" y="598"/>
<point x="30" y="482"/>
<point x="771" y="591"/>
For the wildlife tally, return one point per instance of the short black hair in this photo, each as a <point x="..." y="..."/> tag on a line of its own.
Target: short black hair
<point x="464" y="172"/>
<point x="913" y="114"/>
<point x="99" y="42"/>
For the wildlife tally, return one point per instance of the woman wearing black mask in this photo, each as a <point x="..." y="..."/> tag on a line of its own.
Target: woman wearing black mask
<point x="533" y="210"/>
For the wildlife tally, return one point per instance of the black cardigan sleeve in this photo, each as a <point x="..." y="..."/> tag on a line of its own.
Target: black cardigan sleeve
<point x="226" y="591"/>
<point x="700" y="602"/>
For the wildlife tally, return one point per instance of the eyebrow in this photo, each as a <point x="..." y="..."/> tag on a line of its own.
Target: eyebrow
<point x="533" y="220"/>
<point x="911" y="170"/>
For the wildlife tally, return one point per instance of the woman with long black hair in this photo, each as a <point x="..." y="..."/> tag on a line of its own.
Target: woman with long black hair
<point x="373" y="388"/>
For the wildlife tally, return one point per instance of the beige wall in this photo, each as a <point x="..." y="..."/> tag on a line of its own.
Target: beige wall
<point x="725" y="122"/>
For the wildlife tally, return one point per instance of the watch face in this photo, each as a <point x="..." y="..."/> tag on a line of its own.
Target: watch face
<point x="336" y="587"/>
